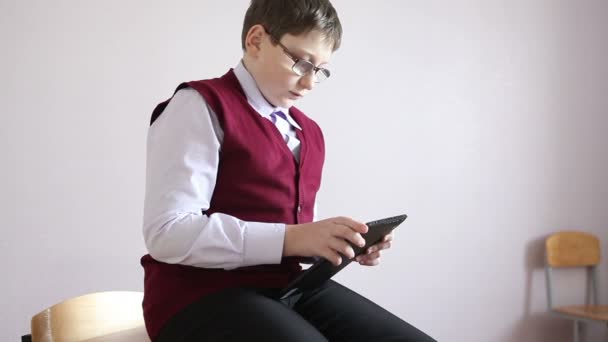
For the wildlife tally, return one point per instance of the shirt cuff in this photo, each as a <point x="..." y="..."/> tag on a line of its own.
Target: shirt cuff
<point x="264" y="243"/>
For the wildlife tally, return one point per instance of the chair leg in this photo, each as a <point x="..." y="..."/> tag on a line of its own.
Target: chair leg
<point x="576" y="330"/>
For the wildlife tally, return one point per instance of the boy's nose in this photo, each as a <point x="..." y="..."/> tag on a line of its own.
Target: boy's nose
<point x="308" y="81"/>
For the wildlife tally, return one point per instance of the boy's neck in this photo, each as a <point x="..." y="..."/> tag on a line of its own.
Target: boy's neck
<point x="250" y="68"/>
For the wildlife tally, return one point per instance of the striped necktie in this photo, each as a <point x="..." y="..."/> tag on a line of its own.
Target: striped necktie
<point x="279" y="119"/>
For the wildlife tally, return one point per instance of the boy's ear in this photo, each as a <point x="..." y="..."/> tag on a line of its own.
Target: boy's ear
<point x="253" y="39"/>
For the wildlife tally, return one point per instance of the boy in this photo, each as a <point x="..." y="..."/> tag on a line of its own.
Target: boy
<point x="232" y="174"/>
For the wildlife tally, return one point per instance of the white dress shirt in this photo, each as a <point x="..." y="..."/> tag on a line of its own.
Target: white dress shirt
<point x="182" y="163"/>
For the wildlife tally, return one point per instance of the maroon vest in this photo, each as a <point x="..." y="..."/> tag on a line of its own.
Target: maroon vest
<point x="258" y="180"/>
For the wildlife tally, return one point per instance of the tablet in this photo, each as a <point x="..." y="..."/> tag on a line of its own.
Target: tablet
<point x="323" y="270"/>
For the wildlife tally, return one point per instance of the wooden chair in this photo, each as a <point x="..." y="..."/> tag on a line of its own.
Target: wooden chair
<point x="104" y="316"/>
<point x="575" y="249"/>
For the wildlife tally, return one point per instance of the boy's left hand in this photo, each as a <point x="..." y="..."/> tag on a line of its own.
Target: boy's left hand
<point x="372" y="255"/>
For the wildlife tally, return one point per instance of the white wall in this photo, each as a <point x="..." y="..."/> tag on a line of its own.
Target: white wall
<point x="492" y="114"/>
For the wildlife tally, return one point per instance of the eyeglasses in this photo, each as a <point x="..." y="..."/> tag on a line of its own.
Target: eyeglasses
<point x="301" y="66"/>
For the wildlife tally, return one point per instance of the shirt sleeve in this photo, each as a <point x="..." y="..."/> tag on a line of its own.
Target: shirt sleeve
<point x="181" y="168"/>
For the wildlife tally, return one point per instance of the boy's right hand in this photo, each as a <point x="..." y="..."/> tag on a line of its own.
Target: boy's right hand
<point x="324" y="238"/>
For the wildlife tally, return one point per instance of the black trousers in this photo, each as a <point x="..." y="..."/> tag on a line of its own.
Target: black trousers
<point x="329" y="313"/>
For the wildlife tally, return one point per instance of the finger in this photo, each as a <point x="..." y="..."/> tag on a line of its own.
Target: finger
<point x="379" y="246"/>
<point x="348" y="234"/>
<point x="332" y="256"/>
<point x="372" y="249"/>
<point x="374" y="255"/>
<point x="352" y="224"/>
<point x="388" y="237"/>
<point x="368" y="257"/>
<point x="341" y="246"/>
<point x="372" y="262"/>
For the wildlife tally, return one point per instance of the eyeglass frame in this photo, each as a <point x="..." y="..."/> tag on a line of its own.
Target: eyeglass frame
<point x="315" y="69"/>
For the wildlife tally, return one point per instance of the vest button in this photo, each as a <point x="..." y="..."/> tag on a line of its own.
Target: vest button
<point x="300" y="208"/>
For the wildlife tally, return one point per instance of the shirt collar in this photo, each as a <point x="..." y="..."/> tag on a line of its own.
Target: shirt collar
<point x="255" y="97"/>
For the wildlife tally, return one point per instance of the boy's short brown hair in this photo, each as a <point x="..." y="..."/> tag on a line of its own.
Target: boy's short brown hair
<point x="294" y="17"/>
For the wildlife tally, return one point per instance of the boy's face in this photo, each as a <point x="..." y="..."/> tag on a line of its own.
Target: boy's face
<point x="272" y="69"/>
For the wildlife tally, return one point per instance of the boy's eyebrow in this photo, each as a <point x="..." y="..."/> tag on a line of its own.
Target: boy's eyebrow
<point x="307" y="55"/>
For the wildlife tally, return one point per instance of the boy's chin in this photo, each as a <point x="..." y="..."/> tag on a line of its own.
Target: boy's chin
<point x="285" y="103"/>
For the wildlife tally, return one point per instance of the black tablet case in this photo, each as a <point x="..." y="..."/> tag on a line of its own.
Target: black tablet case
<point x="323" y="270"/>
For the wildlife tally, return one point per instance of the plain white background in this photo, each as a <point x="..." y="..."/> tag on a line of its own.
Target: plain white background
<point x="484" y="121"/>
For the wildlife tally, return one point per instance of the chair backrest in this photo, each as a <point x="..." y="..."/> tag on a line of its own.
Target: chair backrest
<point x="572" y="249"/>
<point x="102" y="316"/>
<point x="567" y="249"/>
